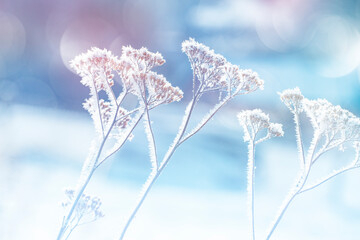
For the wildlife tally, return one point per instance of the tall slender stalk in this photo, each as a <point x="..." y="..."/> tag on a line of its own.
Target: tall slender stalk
<point x="298" y="186"/>
<point x="250" y="187"/>
<point x="299" y="141"/>
<point x="253" y="122"/>
<point x="156" y="173"/>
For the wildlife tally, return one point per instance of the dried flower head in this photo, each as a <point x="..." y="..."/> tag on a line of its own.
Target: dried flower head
<point x="214" y="72"/>
<point x="207" y="65"/>
<point x="251" y="81"/>
<point x="160" y="91"/>
<point x="332" y="121"/>
<point x="152" y="88"/>
<point x="292" y="98"/>
<point x="241" y="81"/>
<point x="253" y="121"/>
<point x="275" y="130"/>
<point x="96" y="68"/>
<point x="88" y="207"/>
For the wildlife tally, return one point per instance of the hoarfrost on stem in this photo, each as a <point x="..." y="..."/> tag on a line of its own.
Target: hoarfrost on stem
<point x="253" y="122"/>
<point x="333" y="126"/>
<point x="97" y="68"/>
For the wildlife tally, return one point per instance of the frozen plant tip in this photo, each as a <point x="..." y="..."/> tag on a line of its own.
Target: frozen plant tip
<point x="214" y="72"/>
<point x="335" y="123"/>
<point x="292" y="98"/>
<point x="137" y="77"/>
<point x="253" y="122"/>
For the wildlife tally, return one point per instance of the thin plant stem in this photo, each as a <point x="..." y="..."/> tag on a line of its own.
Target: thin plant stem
<point x="122" y="143"/>
<point x="328" y="178"/>
<point x="250" y="187"/>
<point x="151" y="140"/>
<point x="84" y="185"/>
<point x="298" y="185"/>
<point x="155" y="174"/>
<point x="299" y="141"/>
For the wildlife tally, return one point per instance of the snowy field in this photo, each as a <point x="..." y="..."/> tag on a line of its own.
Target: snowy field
<point x="201" y="194"/>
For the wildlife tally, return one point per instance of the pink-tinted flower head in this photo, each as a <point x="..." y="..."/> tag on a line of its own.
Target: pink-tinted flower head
<point x="96" y="66"/>
<point x="137" y="77"/>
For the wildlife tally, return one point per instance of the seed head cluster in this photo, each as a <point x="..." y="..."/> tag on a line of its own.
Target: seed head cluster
<point x="327" y="119"/>
<point x="213" y="71"/>
<point x="253" y="121"/>
<point x="332" y="121"/>
<point x="96" y="66"/>
<point x="137" y="77"/>
<point x="292" y="98"/>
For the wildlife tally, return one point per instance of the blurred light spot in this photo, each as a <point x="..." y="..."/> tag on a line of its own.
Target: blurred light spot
<point x="338" y="42"/>
<point x="54" y="28"/>
<point x="84" y="34"/>
<point x="12" y="36"/>
<point x="65" y="84"/>
<point x="116" y="46"/>
<point x="268" y="35"/>
<point x="292" y="28"/>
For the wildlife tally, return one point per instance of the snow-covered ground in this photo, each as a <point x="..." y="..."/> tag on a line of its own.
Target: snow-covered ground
<point x="201" y="195"/>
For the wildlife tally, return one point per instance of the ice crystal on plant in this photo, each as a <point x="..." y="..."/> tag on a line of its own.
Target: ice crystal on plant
<point x="275" y="130"/>
<point x="332" y="121"/>
<point x="253" y="121"/>
<point x="152" y="88"/>
<point x="207" y="65"/>
<point x="214" y="73"/>
<point x="250" y="81"/>
<point x="292" y="98"/>
<point x="242" y="80"/>
<point x="95" y="67"/>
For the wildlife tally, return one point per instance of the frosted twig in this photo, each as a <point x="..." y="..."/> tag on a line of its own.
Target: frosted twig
<point x="253" y="122"/>
<point x="151" y="139"/>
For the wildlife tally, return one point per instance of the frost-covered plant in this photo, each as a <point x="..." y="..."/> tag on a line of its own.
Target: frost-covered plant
<point x="254" y="123"/>
<point x="115" y="124"/>
<point x="333" y="127"/>
<point x="211" y="72"/>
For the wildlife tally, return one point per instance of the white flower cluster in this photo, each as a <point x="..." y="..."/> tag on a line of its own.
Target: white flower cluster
<point x="88" y="207"/>
<point x="214" y="72"/>
<point x="332" y="121"/>
<point x="292" y="98"/>
<point x="137" y="77"/>
<point x="253" y="121"/>
<point x="97" y="68"/>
